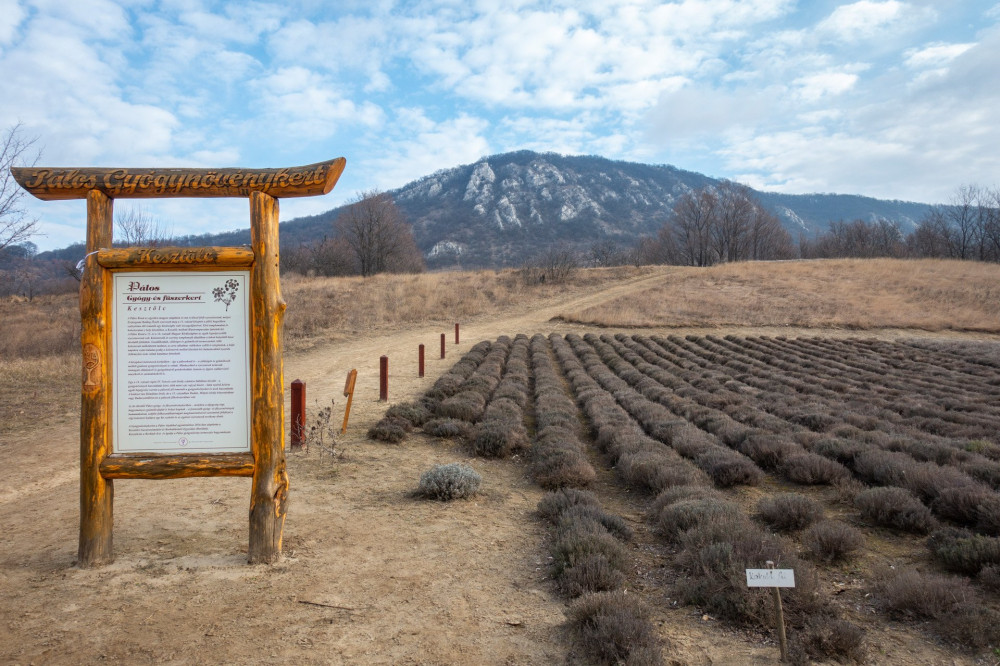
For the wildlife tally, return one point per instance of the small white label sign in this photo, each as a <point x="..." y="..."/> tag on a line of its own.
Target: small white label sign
<point x="770" y="577"/>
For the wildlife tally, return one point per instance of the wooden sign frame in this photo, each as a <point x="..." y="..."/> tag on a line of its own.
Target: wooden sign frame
<point x="99" y="464"/>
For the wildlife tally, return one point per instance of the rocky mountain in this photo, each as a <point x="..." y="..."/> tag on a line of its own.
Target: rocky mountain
<point x="506" y="208"/>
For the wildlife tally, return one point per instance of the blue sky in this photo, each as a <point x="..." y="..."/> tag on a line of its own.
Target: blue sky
<point x="885" y="98"/>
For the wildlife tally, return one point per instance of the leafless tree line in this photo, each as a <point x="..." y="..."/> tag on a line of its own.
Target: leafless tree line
<point x="716" y="224"/>
<point x="966" y="228"/>
<point x="370" y="236"/>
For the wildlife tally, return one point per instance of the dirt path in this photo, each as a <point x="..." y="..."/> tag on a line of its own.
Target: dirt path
<point x="371" y="574"/>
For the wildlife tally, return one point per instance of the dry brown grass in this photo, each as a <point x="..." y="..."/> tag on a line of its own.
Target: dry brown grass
<point x="925" y="294"/>
<point x="331" y="308"/>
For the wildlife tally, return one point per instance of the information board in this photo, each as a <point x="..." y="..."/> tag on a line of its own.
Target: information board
<point x="181" y="362"/>
<point x="770" y="577"/>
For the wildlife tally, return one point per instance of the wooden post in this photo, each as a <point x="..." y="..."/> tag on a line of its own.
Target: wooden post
<point x="420" y="361"/>
<point x="456" y="333"/>
<point x="298" y="420"/>
<point x="96" y="492"/>
<point x="352" y="378"/>
<point x="782" y="640"/>
<point x="442" y="345"/>
<point x="269" y="495"/>
<point x="383" y="379"/>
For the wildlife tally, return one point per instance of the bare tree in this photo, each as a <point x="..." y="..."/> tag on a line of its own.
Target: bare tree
<point x="136" y="227"/>
<point x="16" y="225"/>
<point x="380" y="239"/>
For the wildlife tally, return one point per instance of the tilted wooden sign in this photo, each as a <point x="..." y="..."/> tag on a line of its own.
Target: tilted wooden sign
<point x="182" y="347"/>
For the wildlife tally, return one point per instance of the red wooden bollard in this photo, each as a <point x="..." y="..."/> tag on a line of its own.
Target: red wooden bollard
<point x="456" y="333"/>
<point x="383" y="379"/>
<point x="442" y="345"/>
<point x="298" y="424"/>
<point x="420" y="361"/>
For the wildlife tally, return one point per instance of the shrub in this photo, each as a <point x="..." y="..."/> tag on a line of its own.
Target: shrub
<point x="832" y="541"/>
<point x="592" y="573"/>
<point x="963" y="551"/>
<point x="727" y="469"/>
<point x="961" y="504"/>
<point x="448" y="427"/>
<point x="812" y="469"/>
<point x="988" y="516"/>
<point x="389" y="430"/>
<point x="895" y="507"/>
<point x="683" y="515"/>
<point x="767" y="450"/>
<point x="498" y="439"/>
<point x="989" y="578"/>
<point x="678" y="493"/>
<point x="613" y="628"/>
<point x="788" y="511"/>
<point x="614" y="525"/>
<point x="578" y="539"/>
<point x="414" y="413"/>
<point x="827" y="636"/>
<point x="553" y="503"/>
<point x="450" y="481"/>
<point x="466" y="405"/>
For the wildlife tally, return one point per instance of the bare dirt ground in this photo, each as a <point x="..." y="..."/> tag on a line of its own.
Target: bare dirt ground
<point x="371" y="574"/>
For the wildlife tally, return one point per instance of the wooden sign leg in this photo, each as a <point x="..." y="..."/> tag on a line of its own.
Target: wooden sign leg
<point x="269" y="495"/>
<point x="96" y="492"/>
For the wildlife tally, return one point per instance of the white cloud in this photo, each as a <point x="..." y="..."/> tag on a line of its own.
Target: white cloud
<point x="814" y="87"/>
<point x="11" y="15"/>
<point x="861" y="20"/>
<point x="935" y="55"/>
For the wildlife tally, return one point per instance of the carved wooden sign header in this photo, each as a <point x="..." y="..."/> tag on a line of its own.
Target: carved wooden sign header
<point x="52" y="184"/>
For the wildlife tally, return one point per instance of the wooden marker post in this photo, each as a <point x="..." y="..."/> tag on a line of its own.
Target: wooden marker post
<point x="383" y="379"/>
<point x="420" y="361"/>
<point x="456" y="333"/>
<point x="352" y="378"/>
<point x="442" y="345"/>
<point x="131" y="296"/>
<point x="775" y="579"/>
<point x="298" y="419"/>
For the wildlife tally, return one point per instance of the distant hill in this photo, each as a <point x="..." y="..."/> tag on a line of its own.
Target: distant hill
<point x="505" y="208"/>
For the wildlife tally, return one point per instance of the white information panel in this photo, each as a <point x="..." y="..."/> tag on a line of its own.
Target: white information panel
<point x="181" y="362"/>
<point x="770" y="577"/>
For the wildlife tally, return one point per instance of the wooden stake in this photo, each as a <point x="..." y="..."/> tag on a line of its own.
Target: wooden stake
<point x="420" y="361"/>
<point x="269" y="495"/>
<point x="96" y="493"/>
<point x="780" y="615"/>
<point x="456" y="333"/>
<point x="383" y="379"/>
<point x="352" y="378"/>
<point x="298" y="422"/>
<point x="442" y="345"/>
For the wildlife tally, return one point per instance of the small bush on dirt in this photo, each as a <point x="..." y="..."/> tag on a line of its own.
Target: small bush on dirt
<point x="788" y="511"/>
<point x="553" y="503"/>
<point x="961" y="504"/>
<point x="681" y="516"/>
<point x="964" y="552"/>
<point x="614" y="628"/>
<point x="448" y="428"/>
<point x="989" y="578"/>
<point x="767" y="450"/>
<point x="728" y="469"/>
<point x="832" y="541"/>
<point x="578" y="539"/>
<point x="498" y="439"/>
<point x="467" y="406"/>
<point x="615" y="525"/>
<point x="414" y="413"/>
<point x="988" y="516"/>
<point x="389" y="430"/>
<point x="811" y="469"/>
<point x="450" y="481"/>
<point x="592" y="573"/>
<point x="895" y="507"/>
<point x="678" y="493"/>
<point x="826" y="637"/>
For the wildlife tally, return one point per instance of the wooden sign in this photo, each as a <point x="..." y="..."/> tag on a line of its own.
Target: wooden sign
<point x="182" y="347"/>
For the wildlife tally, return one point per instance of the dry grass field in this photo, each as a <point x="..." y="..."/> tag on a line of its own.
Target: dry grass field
<point x="374" y="573"/>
